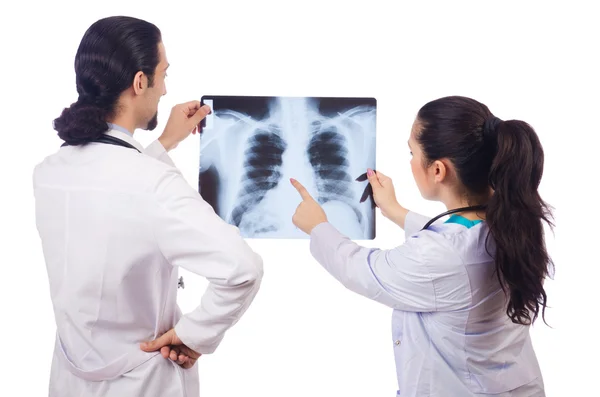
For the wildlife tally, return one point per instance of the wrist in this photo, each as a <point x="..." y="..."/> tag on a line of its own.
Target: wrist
<point x="167" y="143"/>
<point x="397" y="215"/>
<point x="315" y="226"/>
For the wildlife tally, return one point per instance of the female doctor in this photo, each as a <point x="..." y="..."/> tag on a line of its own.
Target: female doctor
<point x="463" y="303"/>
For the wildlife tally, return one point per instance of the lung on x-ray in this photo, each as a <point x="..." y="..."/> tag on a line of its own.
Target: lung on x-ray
<point x="251" y="146"/>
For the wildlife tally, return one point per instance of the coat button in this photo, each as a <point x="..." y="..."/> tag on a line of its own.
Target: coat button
<point x="397" y="342"/>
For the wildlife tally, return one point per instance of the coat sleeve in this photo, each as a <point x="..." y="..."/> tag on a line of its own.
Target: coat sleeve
<point x="402" y="278"/>
<point x="157" y="150"/>
<point x="413" y="223"/>
<point x="191" y="235"/>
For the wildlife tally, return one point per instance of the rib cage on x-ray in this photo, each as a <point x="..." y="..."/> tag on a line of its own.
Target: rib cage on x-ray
<point x="262" y="172"/>
<point x="327" y="153"/>
<point x="252" y="149"/>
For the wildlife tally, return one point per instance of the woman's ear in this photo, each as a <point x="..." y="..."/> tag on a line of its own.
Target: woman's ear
<point x="439" y="171"/>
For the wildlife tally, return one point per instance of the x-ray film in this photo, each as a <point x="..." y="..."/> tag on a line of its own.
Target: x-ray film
<point x="251" y="146"/>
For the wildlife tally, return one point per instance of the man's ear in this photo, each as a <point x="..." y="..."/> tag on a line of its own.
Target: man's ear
<point x="140" y="83"/>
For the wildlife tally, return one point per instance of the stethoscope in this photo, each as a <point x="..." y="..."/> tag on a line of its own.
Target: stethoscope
<point x="111" y="140"/>
<point x="462" y="209"/>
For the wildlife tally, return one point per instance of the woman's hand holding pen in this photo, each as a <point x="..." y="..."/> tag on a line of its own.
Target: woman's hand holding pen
<point x="384" y="196"/>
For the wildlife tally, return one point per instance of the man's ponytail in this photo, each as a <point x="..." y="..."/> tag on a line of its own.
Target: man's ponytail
<point x="81" y="123"/>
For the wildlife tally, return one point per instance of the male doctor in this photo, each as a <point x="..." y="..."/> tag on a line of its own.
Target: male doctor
<point x="116" y="221"/>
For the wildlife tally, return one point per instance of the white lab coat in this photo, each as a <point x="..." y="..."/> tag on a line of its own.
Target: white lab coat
<point x="450" y="332"/>
<point x="115" y="226"/>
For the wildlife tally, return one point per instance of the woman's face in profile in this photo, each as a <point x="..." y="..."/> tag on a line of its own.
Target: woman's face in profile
<point x="416" y="162"/>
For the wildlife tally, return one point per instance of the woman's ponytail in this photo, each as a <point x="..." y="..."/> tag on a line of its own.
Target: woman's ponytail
<point x="515" y="216"/>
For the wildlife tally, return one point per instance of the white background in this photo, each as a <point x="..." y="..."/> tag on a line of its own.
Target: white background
<point x="305" y="334"/>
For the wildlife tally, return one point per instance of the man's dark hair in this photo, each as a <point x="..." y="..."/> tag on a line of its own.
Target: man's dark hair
<point x="110" y="54"/>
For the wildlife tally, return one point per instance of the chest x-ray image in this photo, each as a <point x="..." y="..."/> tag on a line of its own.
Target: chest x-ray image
<point x="251" y="146"/>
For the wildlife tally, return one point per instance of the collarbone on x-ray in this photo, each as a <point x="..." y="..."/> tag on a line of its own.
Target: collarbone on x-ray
<point x="251" y="146"/>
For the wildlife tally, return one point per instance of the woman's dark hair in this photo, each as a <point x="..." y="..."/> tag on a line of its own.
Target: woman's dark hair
<point x="507" y="157"/>
<point x="111" y="52"/>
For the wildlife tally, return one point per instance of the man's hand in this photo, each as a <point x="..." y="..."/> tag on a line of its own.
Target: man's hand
<point x="172" y="347"/>
<point x="184" y="120"/>
<point x="309" y="213"/>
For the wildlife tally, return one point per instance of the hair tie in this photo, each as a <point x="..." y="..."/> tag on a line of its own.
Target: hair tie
<point x="490" y="125"/>
<point x="97" y="101"/>
<point x="86" y="99"/>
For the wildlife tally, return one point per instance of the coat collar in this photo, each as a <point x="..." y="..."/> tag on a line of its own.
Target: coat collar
<point x="125" y="137"/>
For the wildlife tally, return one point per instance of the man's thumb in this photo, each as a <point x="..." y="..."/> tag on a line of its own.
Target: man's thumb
<point x="200" y="114"/>
<point x="156" y="344"/>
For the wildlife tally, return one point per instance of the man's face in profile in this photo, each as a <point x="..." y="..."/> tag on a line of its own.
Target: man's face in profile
<point x="158" y="88"/>
<point x="153" y="122"/>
